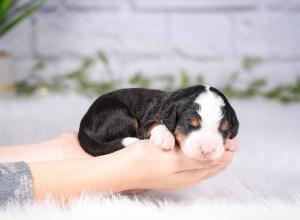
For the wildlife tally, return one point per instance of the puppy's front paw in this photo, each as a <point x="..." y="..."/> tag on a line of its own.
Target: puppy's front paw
<point x="162" y="137"/>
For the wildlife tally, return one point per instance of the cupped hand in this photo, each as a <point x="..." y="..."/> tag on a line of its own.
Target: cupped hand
<point x="152" y="168"/>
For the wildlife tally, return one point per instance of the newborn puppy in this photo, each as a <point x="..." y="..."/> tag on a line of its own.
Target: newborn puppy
<point x="199" y="119"/>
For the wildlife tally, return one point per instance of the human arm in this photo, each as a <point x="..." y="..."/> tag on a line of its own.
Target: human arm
<point x="63" y="147"/>
<point x="140" y="166"/>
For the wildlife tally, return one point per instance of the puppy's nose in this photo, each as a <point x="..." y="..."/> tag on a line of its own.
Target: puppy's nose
<point x="207" y="152"/>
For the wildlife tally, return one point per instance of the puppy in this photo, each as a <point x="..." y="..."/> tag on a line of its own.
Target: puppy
<point x="199" y="119"/>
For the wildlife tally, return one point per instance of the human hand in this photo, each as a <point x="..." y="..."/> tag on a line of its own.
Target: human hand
<point x="152" y="168"/>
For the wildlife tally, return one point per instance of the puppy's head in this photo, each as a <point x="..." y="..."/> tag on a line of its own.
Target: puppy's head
<point x="203" y="122"/>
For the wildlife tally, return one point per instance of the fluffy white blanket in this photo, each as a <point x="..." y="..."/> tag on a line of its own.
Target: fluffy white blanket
<point x="263" y="182"/>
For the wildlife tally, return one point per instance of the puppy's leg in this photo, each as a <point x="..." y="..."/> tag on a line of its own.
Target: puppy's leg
<point x="105" y="126"/>
<point x="162" y="137"/>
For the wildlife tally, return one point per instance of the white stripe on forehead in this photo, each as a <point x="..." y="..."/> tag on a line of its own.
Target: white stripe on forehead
<point x="210" y="109"/>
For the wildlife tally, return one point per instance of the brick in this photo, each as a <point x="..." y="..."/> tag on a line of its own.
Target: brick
<point x="54" y="5"/>
<point x="203" y="36"/>
<point x="143" y="33"/>
<point x="193" y="5"/>
<point x="76" y="33"/>
<point x="83" y="34"/>
<point x="23" y="67"/>
<point x="96" y="4"/>
<point x="277" y="72"/>
<point x="268" y="35"/>
<point x="18" y="41"/>
<point x="288" y="5"/>
<point x="62" y="65"/>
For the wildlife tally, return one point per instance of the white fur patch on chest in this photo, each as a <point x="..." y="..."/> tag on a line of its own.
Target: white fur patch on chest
<point x="210" y="109"/>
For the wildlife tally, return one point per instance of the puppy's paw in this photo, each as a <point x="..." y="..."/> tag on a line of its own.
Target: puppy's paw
<point x="162" y="137"/>
<point x="129" y="141"/>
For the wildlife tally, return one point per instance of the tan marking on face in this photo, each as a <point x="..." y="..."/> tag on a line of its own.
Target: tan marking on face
<point x="195" y="121"/>
<point x="224" y="125"/>
<point x="180" y="136"/>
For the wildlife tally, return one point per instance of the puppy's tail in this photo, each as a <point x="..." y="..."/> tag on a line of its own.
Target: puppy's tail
<point x="95" y="148"/>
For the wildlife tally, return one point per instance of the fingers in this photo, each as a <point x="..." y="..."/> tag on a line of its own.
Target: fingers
<point x="192" y="165"/>
<point x="212" y="169"/>
<point x="175" y="161"/>
<point x="205" y="168"/>
<point x="186" y="163"/>
<point x="227" y="157"/>
<point x="230" y="145"/>
<point x="193" y="177"/>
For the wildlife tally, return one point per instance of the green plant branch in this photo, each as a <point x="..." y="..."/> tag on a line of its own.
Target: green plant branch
<point x="11" y="16"/>
<point x="4" y="8"/>
<point x="79" y="81"/>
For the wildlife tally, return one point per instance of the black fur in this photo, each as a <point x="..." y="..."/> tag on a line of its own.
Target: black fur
<point x="229" y="114"/>
<point x="130" y="112"/>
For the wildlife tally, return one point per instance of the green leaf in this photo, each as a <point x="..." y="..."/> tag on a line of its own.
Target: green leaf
<point x="139" y="80"/>
<point x="25" y="89"/>
<point x="16" y="18"/>
<point x="285" y="93"/>
<point x="234" y="77"/>
<point x="102" y="57"/>
<point x="40" y="65"/>
<point x="184" y="79"/>
<point x="105" y="87"/>
<point x="250" y="62"/>
<point x="169" y="81"/>
<point x="87" y="63"/>
<point x="4" y="7"/>
<point x="199" y="79"/>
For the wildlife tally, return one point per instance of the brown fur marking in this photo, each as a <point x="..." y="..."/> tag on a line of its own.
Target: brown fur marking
<point x="180" y="136"/>
<point x="135" y="123"/>
<point x="195" y="121"/>
<point x="224" y="125"/>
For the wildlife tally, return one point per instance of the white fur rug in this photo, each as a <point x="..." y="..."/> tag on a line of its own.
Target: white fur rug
<point x="263" y="181"/>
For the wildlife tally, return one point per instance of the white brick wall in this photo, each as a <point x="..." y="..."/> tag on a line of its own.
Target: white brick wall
<point x="270" y="35"/>
<point x="75" y="33"/>
<point x="190" y="5"/>
<point x="192" y="36"/>
<point x="162" y="36"/>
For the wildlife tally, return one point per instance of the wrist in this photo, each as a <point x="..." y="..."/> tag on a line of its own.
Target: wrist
<point x="116" y="171"/>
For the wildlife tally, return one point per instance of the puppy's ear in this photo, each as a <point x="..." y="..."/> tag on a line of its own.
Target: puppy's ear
<point x="168" y="116"/>
<point x="233" y="121"/>
<point x="169" y="112"/>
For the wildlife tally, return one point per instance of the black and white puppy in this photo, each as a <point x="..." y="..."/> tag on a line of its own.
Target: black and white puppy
<point x="199" y="119"/>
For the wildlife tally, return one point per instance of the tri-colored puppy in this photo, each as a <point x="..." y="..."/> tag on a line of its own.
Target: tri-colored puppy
<point x="199" y="119"/>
